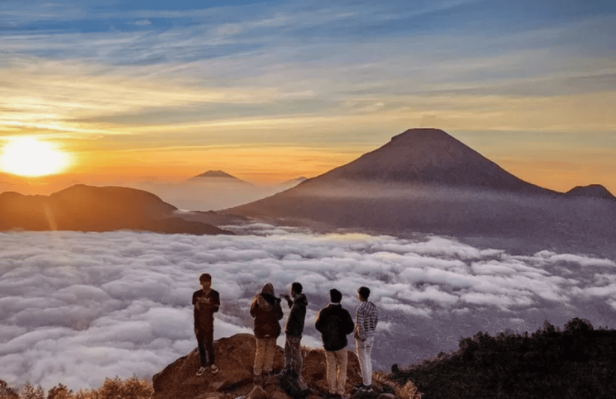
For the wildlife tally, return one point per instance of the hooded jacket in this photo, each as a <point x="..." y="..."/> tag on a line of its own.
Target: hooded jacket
<point x="266" y="311"/>
<point x="295" y="322"/>
<point x="334" y="323"/>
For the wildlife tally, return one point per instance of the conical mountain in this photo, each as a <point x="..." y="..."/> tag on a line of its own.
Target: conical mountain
<point x="217" y="176"/>
<point x="428" y="156"/>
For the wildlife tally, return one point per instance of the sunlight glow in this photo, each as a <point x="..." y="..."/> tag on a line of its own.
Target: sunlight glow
<point x="31" y="157"/>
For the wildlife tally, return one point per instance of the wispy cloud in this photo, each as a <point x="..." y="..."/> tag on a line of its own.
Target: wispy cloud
<point x="307" y="73"/>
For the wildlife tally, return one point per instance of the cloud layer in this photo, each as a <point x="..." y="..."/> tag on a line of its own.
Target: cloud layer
<point x="79" y="307"/>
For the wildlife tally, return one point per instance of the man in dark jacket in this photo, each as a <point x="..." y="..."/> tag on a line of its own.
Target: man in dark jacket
<point x="206" y="302"/>
<point x="266" y="311"/>
<point x="294" y="330"/>
<point x="335" y="323"/>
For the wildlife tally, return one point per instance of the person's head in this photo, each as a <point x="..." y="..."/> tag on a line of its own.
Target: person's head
<point x="296" y="288"/>
<point x="363" y="293"/>
<point x="335" y="296"/>
<point x="206" y="281"/>
<point x="268" y="288"/>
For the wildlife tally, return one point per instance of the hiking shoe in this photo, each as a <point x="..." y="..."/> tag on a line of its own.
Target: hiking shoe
<point x="365" y="388"/>
<point x="213" y="369"/>
<point x="200" y="371"/>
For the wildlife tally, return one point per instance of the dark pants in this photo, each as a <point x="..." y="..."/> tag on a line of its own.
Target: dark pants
<point x="205" y="343"/>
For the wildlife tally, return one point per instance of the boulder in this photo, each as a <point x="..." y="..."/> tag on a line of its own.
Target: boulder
<point x="234" y="358"/>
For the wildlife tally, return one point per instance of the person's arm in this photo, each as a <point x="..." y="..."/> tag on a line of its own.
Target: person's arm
<point x="253" y="306"/>
<point x="289" y="300"/>
<point x="278" y="310"/>
<point x="361" y="318"/>
<point x="348" y="320"/>
<point x="318" y="324"/>
<point x="215" y="303"/>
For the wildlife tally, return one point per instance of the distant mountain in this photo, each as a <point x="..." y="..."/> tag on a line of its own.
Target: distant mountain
<point x="591" y="191"/>
<point x="425" y="180"/>
<point x="87" y="208"/>
<point x="217" y="176"/>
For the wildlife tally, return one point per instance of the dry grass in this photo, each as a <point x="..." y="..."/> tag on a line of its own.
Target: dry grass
<point x="113" y="388"/>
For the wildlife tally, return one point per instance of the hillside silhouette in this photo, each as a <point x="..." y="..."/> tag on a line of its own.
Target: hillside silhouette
<point x="577" y="362"/>
<point x="87" y="208"/>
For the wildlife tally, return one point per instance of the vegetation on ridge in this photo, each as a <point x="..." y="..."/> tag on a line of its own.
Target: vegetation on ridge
<point x="578" y="362"/>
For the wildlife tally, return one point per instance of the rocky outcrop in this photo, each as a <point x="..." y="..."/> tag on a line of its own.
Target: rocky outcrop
<point x="235" y="357"/>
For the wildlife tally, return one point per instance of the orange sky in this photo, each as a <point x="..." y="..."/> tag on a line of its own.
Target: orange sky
<point x="269" y="93"/>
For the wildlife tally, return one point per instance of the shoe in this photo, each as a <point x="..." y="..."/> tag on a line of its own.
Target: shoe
<point x="213" y="369"/>
<point x="365" y="388"/>
<point x="200" y="371"/>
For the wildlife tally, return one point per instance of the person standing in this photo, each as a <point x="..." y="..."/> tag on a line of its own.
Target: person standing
<point x="366" y="321"/>
<point x="335" y="323"/>
<point x="294" y="328"/>
<point x="266" y="311"/>
<point x="206" y="302"/>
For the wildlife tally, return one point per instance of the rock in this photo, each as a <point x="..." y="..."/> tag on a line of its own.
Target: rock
<point x="235" y="358"/>
<point x="387" y="396"/>
<point x="214" y="395"/>
<point x="257" y="393"/>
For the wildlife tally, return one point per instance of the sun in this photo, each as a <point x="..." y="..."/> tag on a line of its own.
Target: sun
<point x="32" y="158"/>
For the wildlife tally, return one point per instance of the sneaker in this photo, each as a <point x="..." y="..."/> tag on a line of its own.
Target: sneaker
<point x="200" y="371"/>
<point x="213" y="369"/>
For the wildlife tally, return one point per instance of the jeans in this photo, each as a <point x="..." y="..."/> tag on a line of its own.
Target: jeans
<point x="364" y="351"/>
<point x="337" y="370"/>
<point x="293" y="358"/>
<point x="264" y="356"/>
<point x="205" y="343"/>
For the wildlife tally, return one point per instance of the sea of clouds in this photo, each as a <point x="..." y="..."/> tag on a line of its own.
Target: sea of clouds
<point x="79" y="307"/>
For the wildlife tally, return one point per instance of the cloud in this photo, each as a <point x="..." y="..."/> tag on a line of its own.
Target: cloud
<point x="78" y="307"/>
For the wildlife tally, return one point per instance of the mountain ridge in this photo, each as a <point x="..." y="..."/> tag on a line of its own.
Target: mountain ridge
<point x="89" y="208"/>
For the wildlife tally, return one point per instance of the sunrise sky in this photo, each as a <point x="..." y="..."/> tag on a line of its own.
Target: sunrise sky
<point x="272" y="90"/>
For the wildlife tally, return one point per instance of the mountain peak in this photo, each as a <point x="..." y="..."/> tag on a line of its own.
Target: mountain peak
<point x="421" y="134"/>
<point x="218" y="175"/>
<point x="591" y="191"/>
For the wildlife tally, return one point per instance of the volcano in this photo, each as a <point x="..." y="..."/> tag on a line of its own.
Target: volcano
<point x="429" y="157"/>
<point x="425" y="180"/>
<point x="217" y="176"/>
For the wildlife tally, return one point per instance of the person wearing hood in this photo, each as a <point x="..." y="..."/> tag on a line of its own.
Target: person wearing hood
<point x="335" y="323"/>
<point x="266" y="311"/>
<point x="294" y="330"/>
